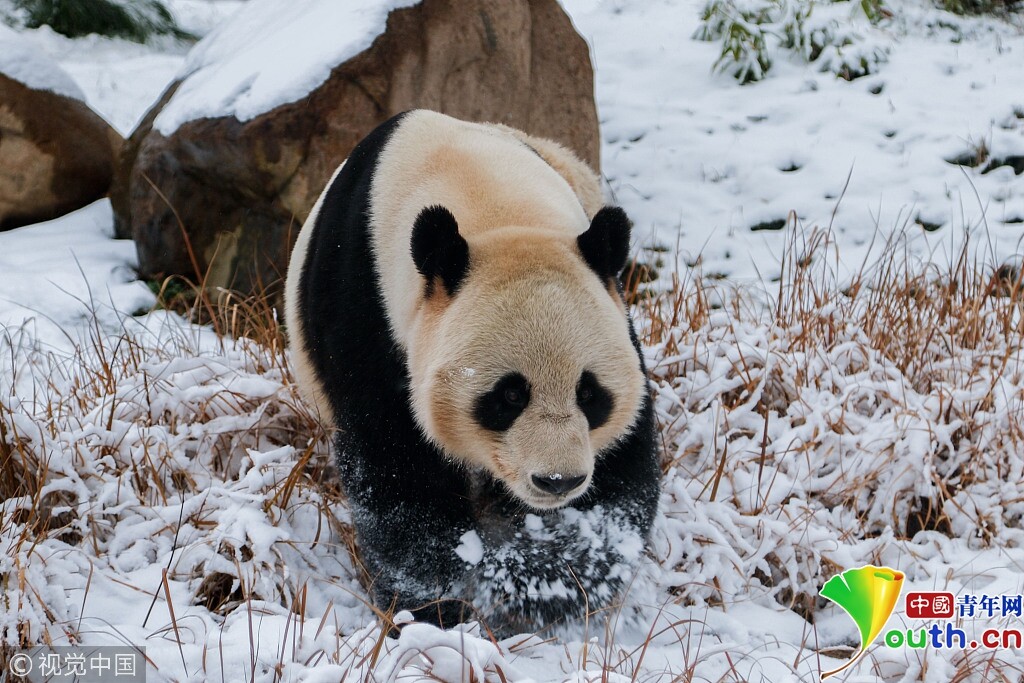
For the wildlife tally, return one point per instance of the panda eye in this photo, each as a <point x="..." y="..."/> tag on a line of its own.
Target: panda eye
<point x="594" y="400"/>
<point x="507" y="399"/>
<point x="513" y="396"/>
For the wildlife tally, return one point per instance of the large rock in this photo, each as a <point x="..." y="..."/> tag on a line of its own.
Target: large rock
<point x="223" y="198"/>
<point x="56" y="154"/>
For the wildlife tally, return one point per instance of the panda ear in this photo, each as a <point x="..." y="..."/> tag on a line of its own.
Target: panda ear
<point x="438" y="250"/>
<point x="605" y="244"/>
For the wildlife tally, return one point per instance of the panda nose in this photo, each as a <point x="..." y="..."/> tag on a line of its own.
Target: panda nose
<point x="557" y="484"/>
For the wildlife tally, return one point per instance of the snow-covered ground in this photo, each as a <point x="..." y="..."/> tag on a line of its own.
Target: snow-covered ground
<point x="170" y="455"/>
<point x="699" y="161"/>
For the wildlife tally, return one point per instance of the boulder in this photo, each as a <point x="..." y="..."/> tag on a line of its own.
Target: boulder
<point x="215" y="182"/>
<point x="56" y="154"/>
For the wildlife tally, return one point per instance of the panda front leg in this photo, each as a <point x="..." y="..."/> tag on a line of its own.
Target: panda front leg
<point x="528" y="569"/>
<point x="409" y="510"/>
<point x="450" y="552"/>
<point x="556" y="567"/>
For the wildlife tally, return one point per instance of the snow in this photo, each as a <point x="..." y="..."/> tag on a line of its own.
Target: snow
<point x="698" y="161"/>
<point x="20" y="61"/>
<point x="164" y="447"/>
<point x="57" y="273"/>
<point x="117" y="78"/>
<point x="269" y="54"/>
<point x="470" y="548"/>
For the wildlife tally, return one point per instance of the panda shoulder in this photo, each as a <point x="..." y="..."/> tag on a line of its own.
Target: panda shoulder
<point x="581" y="178"/>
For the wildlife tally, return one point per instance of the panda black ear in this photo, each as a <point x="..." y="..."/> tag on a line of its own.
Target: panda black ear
<point x="605" y="244"/>
<point x="438" y="250"/>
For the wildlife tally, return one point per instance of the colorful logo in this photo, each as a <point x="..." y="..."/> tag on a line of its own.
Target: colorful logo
<point x="930" y="605"/>
<point x="868" y="594"/>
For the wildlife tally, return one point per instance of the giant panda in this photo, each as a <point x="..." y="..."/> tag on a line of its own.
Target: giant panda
<point x="454" y="310"/>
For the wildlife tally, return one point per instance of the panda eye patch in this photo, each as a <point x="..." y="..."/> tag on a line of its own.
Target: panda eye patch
<point x="594" y="400"/>
<point x="498" y="408"/>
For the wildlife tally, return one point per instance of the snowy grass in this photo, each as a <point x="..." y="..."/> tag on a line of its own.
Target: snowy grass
<point x="895" y="398"/>
<point x="874" y="420"/>
<point x="167" y="443"/>
<point x="809" y="426"/>
<point x="161" y="484"/>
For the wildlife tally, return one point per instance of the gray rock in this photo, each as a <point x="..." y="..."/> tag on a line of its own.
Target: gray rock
<point x="225" y="199"/>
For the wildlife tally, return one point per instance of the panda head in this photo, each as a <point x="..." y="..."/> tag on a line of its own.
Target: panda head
<point x="520" y="357"/>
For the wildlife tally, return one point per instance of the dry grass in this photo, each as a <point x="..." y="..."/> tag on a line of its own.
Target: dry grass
<point x="891" y="402"/>
<point x="115" y="413"/>
<point x="943" y="328"/>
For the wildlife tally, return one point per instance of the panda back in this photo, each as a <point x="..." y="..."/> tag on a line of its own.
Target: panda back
<point x="354" y="249"/>
<point x="340" y="339"/>
<point x="486" y="176"/>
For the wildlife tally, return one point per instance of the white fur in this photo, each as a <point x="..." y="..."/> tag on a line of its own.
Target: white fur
<point x="485" y="176"/>
<point x="528" y="304"/>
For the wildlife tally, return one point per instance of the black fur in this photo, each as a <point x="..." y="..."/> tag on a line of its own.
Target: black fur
<point x="498" y="408"/>
<point x="605" y="244"/>
<point x="594" y="400"/>
<point x="410" y="504"/>
<point x="438" y="250"/>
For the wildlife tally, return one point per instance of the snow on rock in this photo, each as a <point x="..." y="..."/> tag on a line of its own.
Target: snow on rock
<point x="122" y="79"/>
<point x="496" y="65"/>
<point x="23" y="61"/>
<point x="269" y="54"/>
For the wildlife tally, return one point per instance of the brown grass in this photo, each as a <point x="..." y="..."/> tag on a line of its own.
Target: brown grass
<point x="91" y="383"/>
<point x="922" y="319"/>
<point x="942" y="328"/>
